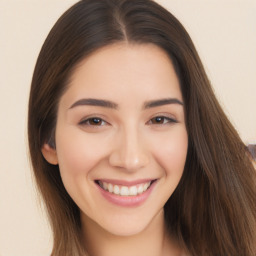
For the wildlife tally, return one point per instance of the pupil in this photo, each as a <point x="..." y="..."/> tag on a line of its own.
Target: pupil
<point x="158" y="119"/>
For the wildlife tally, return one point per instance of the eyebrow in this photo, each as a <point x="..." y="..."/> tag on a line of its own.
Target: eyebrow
<point x="112" y="105"/>
<point x="161" y="102"/>
<point x="95" y="102"/>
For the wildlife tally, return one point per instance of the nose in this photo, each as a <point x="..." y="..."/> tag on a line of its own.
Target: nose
<point x="129" y="153"/>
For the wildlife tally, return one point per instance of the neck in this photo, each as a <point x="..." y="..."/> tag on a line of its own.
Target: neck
<point x="152" y="241"/>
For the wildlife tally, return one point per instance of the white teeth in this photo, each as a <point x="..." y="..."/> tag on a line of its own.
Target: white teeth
<point x="140" y="189"/>
<point x="116" y="190"/>
<point x="110" y="188"/>
<point x="146" y="186"/>
<point x="133" y="191"/>
<point x="124" y="190"/>
<point x="105" y="185"/>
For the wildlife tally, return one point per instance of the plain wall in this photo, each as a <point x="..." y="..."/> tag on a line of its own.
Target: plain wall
<point x="224" y="34"/>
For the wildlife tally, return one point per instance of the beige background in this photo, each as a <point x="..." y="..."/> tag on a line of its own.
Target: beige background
<point x="224" y="32"/>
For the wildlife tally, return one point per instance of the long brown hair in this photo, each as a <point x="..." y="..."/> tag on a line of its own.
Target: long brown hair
<point x="213" y="211"/>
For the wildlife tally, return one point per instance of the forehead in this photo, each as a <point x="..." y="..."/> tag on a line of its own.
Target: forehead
<point x="125" y="70"/>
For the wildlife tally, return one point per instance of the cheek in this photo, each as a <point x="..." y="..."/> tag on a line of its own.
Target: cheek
<point x="77" y="153"/>
<point x="172" y="152"/>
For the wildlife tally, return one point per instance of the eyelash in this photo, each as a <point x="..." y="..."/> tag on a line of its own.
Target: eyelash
<point x="160" y="120"/>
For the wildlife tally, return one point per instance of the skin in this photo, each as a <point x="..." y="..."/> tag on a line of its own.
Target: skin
<point x="126" y="143"/>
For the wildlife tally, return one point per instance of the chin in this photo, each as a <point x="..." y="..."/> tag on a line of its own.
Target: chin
<point x="131" y="224"/>
<point x="126" y="230"/>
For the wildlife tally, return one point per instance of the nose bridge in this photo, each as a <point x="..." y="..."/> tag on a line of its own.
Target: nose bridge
<point x="130" y="152"/>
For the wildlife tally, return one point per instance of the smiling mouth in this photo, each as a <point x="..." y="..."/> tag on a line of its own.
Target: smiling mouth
<point x="125" y="191"/>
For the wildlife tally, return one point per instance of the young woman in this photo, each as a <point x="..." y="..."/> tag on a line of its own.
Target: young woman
<point x="131" y="151"/>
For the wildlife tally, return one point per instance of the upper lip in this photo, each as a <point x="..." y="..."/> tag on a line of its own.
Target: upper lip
<point x="126" y="182"/>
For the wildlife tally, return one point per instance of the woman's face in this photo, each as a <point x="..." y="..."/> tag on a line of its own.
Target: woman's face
<point x="121" y="140"/>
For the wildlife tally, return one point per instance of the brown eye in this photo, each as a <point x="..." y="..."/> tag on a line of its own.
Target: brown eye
<point x="158" y="120"/>
<point x="94" y="121"/>
<point x="162" y="120"/>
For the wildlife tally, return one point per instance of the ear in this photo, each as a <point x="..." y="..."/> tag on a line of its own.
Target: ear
<point x="49" y="154"/>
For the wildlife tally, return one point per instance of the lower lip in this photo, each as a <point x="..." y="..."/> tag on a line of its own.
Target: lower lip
<point x="127" y="201"/>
